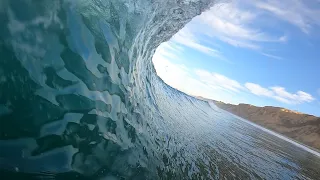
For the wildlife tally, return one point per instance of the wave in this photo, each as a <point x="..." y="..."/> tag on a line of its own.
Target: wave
<point x="78" y="88"/>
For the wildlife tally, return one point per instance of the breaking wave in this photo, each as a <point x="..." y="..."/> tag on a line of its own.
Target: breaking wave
<point x="80" y="98"/>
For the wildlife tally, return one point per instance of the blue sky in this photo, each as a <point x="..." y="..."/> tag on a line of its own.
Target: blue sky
<point x="249" y="51"/>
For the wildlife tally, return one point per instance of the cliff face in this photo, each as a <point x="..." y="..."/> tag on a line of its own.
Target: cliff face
<point x="303" y="128"/>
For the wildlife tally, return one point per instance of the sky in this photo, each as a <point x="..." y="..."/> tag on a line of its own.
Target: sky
<point x="264" y="53"/>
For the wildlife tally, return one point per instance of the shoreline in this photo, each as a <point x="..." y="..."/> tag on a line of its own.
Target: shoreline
<point x="310" y="149"/>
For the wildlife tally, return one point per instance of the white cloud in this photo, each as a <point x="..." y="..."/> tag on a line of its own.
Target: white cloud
<point x="185" y="37"/>
<point x="280" y="94"/>
<point x="175" y="75"/>
<point x="258" y="90"/>
<point x="272" y="56"/>
<point x="216" y="80"/>
<point x="172" y="47"/>
<point x="216" y="86"/>
<point x="283" y="39"/>
<point x="168" y="50"/>
<point x="240" y="23"/>
<point x="197" y="84"/>
<point x="298" y="97"/>
<point x="235" y="25"/>
<point x="296" y="12"/>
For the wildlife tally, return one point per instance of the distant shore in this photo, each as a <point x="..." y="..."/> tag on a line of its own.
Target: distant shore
<point x="301" y="128"/>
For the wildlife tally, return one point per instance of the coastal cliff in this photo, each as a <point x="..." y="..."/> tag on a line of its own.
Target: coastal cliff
<point x="301" y="127"/>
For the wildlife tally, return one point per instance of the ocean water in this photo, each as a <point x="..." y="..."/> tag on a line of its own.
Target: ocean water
<point x="80" y="99"/>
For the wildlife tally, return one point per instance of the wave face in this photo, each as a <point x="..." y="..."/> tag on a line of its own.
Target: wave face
<point x="80" y="98"/>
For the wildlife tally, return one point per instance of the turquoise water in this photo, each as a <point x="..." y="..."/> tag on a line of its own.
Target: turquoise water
<point x="80" y="99"/>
